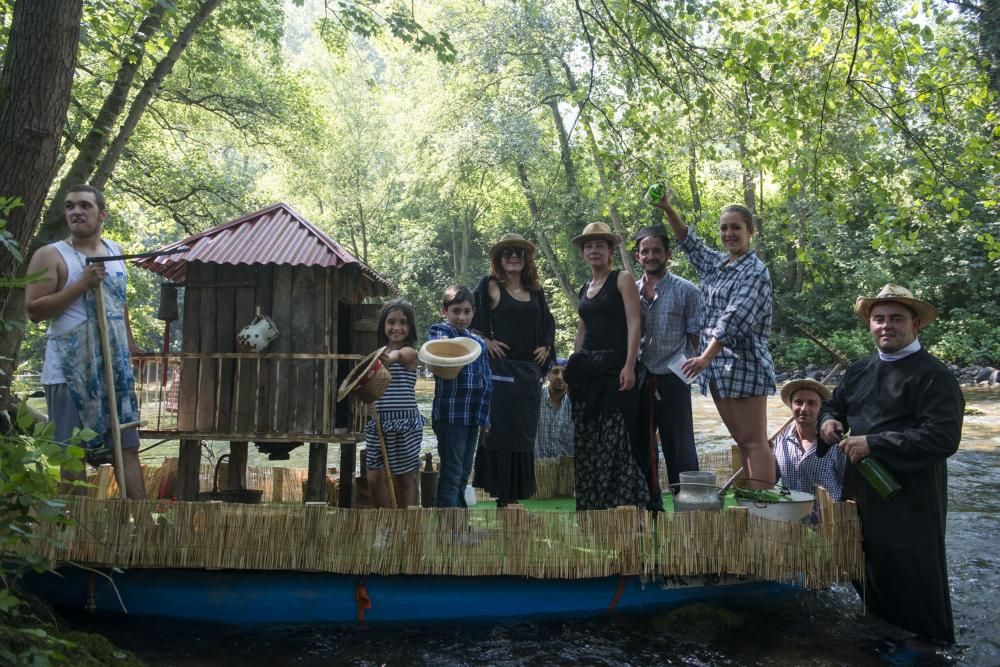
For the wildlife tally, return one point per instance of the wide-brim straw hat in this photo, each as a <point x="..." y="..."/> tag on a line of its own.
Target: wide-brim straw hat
<point x="812" y="385"/>
<point x="925" y="311"/>
<point x="512" y="241"/>
<point x="369" y="379"/>
<point x="446" y="357"/>
<point x="597" y="231"/>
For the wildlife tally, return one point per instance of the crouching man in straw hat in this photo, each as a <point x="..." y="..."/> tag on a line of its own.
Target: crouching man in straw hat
<point x="903" y="407"/>
<point x="795" y="444"/>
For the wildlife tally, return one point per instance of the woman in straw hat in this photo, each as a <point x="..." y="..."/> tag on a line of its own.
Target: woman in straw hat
<point x="513" y="317"/>
<point x="601" y="378"/>
<point x="735" y="363"/>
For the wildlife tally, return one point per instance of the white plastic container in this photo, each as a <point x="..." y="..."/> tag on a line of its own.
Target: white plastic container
<point x="796" y="509"/>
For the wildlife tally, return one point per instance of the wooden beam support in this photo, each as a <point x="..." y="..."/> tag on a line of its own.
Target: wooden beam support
<point x="316" y="481"/>
<point x="188" y="470"/>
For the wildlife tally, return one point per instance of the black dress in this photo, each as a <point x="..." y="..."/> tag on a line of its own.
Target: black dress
<point x="911" y="410"/>
<point x="604" y="418"/>
<point x="505" y="461"/>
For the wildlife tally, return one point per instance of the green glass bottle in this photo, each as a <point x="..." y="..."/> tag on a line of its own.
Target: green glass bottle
<point x="879" y="477"/>
<point x="655" y="193"/>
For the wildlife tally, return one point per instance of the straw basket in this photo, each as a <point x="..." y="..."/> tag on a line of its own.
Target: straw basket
<point x="368" y="380"/>
<point x="446" y="357"/>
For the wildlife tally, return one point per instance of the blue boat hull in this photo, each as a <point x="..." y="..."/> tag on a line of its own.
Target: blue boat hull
<point x="231" y="596"/>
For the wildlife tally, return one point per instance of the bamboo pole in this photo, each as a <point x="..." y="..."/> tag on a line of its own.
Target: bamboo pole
<point x="109" y="380"/>
<point x="385" y="460"/>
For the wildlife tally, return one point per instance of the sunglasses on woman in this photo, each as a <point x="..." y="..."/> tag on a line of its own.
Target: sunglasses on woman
<point x="512" y="252"/>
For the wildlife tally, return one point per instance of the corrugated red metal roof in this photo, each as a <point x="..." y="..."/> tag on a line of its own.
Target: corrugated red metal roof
<point x="273" y="235"/>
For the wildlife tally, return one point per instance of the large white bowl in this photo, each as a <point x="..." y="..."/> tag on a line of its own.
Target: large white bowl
<point x="796" y="509"/>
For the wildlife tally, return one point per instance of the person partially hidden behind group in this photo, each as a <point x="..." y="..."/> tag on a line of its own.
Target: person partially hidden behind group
<point x="513" y="318"/>
<point x="555" y="421"/>
<point x="601" y="378"/>
<point x="904" y="408"/>
<point x="795" y="444"/>
<point x="735" y="363"/>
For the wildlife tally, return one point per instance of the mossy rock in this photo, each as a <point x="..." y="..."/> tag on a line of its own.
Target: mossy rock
<point x="694" y="617"/>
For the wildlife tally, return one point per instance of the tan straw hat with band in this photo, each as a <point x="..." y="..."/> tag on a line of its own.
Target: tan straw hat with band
<point x="511" y="241"/>
<point x="369" y="379"/>
<point x="597" y="231"/>
<point x="788" y="391"/>
<point x="446" y="357"/>
<point x="925" y="311"/>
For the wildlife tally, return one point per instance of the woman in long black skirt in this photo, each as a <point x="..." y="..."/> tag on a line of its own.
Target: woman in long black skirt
<point x="513" y="317"/>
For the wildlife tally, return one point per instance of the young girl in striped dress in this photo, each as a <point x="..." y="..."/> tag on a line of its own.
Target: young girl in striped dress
<point x="401" y="421"/>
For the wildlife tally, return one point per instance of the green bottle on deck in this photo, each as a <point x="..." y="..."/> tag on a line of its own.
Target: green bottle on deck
<point x="655" y="193"/>
<point x="880" y="478"/>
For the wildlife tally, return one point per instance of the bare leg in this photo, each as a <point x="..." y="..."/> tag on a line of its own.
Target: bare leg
<point x="68" y="478"/>
<point x="746" y="419"/>
<point x="377" y="488"/>
<point x="406" y="489"/>
<point x="135" y="485"/>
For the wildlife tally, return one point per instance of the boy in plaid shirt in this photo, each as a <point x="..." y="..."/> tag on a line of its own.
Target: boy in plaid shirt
<point x="462" y="405"/>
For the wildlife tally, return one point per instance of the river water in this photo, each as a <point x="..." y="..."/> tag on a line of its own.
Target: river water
<point x="809" y="628"/>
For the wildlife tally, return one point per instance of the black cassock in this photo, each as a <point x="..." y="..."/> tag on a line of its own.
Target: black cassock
<point x="911" y="410"/>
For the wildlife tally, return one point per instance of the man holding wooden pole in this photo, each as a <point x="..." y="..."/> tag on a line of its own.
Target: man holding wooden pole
<point x="88" y="371"/>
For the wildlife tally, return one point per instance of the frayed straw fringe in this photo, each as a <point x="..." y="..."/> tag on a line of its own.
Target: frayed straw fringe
<point x="459" y="542"/>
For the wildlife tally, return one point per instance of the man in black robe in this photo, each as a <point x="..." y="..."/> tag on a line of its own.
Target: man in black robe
<point x="904" y="408"/>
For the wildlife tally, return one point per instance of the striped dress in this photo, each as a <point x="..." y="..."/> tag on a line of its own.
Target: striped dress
<point x="402" y="425"/>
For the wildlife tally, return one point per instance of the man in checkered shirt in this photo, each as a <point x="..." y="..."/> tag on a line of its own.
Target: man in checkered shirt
<point x="669" y="306"/>
<point x="795" y="445"/>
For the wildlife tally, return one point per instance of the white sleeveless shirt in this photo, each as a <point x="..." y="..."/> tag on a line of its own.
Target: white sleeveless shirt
<point x="76" y="312"/>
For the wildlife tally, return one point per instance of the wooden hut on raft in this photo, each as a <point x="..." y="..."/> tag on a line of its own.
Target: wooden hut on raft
<point x="271" y="263"/>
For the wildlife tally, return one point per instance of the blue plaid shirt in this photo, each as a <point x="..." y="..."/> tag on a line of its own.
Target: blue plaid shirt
<point x="667" y="320"/>
<point x="466" y="399"/>
<point x="555" y="428"/>
<point x="802" y="470"/>
<point x="735" y="310"/>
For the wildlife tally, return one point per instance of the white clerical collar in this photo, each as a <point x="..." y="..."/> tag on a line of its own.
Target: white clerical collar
<point x="902" y="354"/>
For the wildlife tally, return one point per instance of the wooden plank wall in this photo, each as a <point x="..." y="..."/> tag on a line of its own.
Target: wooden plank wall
<point x="269" y="396"/>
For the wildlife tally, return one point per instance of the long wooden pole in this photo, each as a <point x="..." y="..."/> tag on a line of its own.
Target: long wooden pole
<point x="109" y="380"/>
<point x="385" y="459"/>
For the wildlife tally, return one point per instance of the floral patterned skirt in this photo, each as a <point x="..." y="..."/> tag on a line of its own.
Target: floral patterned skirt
<point x="607" y="474"/>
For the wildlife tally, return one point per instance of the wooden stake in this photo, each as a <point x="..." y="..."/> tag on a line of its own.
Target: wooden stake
<point x="385" y="460"/>
<point x="109" y="380"/>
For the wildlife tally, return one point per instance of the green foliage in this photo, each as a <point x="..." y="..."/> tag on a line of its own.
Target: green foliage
<point x="966" y="339"/>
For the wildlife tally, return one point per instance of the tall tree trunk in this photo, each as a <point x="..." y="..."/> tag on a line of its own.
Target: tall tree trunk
<point x="602" y="175"/>
<point x="543" y="239"/>
<point x="97" y="139"/>
<point x="50" y="232"/>
<point x="35" y="84"/>
<point x="693" y="181"/>
<point x="564" y="149"/>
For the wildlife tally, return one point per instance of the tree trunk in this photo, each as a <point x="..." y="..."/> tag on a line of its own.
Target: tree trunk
<point x="693" y="181"/>
<point x="616" y="219"/>
<point x="97" y="139"/>
<point x="52" y="229"/>
<point x="602" y="175"/>
<point x="543" y="239"/>
<point x="149" y="89"/>
<point x="35" y="84"/>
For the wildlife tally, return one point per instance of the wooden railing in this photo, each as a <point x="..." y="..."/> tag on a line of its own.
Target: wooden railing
<point x="247" y="396"/>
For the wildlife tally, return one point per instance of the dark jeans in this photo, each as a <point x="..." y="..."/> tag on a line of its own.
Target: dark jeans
<point x="457" y="451"/>
<point x="671" y="416"/>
